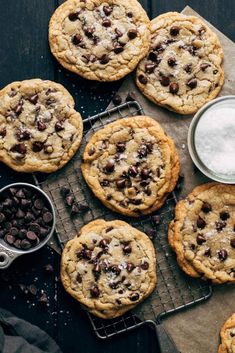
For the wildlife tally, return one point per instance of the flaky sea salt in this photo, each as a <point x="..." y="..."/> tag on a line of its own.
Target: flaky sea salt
<point x="215" y="139"/>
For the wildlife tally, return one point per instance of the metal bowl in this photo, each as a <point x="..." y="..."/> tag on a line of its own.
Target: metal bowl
<point x="194" y="135"/>
<point x="9" y="253"/>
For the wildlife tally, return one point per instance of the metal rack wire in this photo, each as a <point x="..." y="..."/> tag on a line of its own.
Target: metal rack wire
<point x="175" y="291"/>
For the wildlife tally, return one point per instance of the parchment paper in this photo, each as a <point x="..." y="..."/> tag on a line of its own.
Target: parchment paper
<point x="195" y="330"/>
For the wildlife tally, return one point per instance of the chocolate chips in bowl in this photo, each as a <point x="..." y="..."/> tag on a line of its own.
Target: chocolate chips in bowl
<point x="27" y="221"/>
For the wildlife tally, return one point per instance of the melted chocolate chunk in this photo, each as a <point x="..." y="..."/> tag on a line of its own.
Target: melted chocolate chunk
<point x="149" y="68"/>
<point x="96" y="271"/>
<point x="145" y="173"/>
<point x="104" y="243"/>
<point x="76" y="39"/>
<point x="204" y="66"/>
<point x="222" y="254"/>
<point x="127" y="249"/>
<point x="132" y="33"/>
<point x="200" y="239"/>
<point x="172" y="62"/>
<point x="104" y="59"/>
<point x="89" y="31"/>
<point x="120" y="146"/>
<point x="134" y="297"/>
<point x="130" y="266"/>
<point x="165" y="81"/>
<point x="121" y="183"/>
<point x="73" y="16"/>
<point x="201" y="223"/>
<point x="59" y="126"/>
<point x="94" y="291"/>
<point x="174" y="31"/>
<point x="33" y="99"/>
<point x="110" y="166"/>
<point x="84" y="254"/>
<point x="106" y="22"/>
<point x="133" y="171"/>
<point x="206" y="207"/>
<point x="104" y="183"/>
<point x="192" y="83"/>
<point x="144" y="265"/>
<point x="118" y="48"/>
<point x="3" y="132"/>
<point x="153" y="57"/>
<point x="115" y="269"/>
<point x="37" y="146"/>
<point x="143" y="79"/>
<point x="20" y="148"/>
<point x="224" y="215"/>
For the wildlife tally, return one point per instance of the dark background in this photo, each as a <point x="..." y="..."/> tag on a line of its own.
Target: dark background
<point x="24" y="54"/>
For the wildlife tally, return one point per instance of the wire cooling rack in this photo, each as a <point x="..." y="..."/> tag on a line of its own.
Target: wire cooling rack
<point x="174" y="291"/>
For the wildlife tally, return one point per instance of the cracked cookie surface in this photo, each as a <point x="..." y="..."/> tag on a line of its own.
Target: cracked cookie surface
<point x="39" y="128"/>
<point x="99" y="40"/>
<point x="109" y="267"/>
<point x="227" y="334"/>
<point x="183" y="69"/>
<point x="131" y="165"/>
<point x="203" y="233"/>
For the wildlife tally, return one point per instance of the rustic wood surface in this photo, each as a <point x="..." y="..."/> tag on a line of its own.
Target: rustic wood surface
<point x="24" y="53"/>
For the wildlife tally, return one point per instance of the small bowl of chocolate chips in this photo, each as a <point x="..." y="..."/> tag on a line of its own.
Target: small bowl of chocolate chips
<point x="27" y="221"/>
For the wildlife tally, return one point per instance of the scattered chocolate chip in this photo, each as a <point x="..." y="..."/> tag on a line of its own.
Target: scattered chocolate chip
<point x="110" y="166"/>
<point x="20" y="148"/>
<point x="132" y="33"/>
<point x="220" y="225"/>
<point x="172" y="62"/>
<point x="73" y="16"/>
<point x="201" y="223"/>
<point x="224" y="215"/>
<point x="94" y="291"/>
<point x="104" y="59"/>
<point x="192" y="83"/>
<point x="117" y="100"/>
<point x="174" y="31"/>
<point x="74" y="209"/>
<point x="165" y="81"/>
<point x="106" y="22"/>
<point x="144" y="265"/>
<point x="222" y="254"/>
<point x="188" y="68"/>
<point x="70" y="200"/>
<point x="127" y="249"/>
<point x="43" y="299"/>
<point x="204" y="66"/>
<point x="206" y="207"/>
<point x="200" y="239"/>
<point x="37" y="146"/>
<point x="143" y="79"/>
<point x="174" y="87"/>
<point x="48" y="268"/>
<point x="107" y="10"/>
<point x="134" y="297"/>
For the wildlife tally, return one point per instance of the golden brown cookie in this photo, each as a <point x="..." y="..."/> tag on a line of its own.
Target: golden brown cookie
<point x="131" y="165"/>
<point x="203" y="233"/>
<point x="99" y="40"/>
<point x="227" y="335"/>
<point x="183" y="68"/>
<point x="109" y="267"/>
<point x="39" y="128"/>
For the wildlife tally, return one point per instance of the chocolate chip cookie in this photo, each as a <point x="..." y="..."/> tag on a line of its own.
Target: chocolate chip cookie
<point x="109" y="267"/>
<point x="131" y="165"/>
<point x="99" y="40"/>
<point x="183" y="69"/>
<point x="39" y="128"/>
<point x="203" y="233"/>
<point x="227" y="334"/>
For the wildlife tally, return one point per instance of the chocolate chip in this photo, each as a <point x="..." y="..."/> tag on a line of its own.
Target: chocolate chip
<point x="94" y="291"/>
<point x="59" y="126"/>
<point x="208" y="252"/>
<point x="172" y="62"/>
<point x="108" y="230"/>
<point x="33" y="99"/>
<point x="76" y="39"/>
<point x="79" y="278"/>
<point x="174" y="87"/>
<point x="174" y="31"/>
<point x="215" y="72"/>
<point x="145" y="173"/>
<point x="19" y="108"/>
<point x="47" y="217"/>
<point x="144" y="265"/>
<point x="37" y="146"/>
<point x="136" y="202"/>
<point x="129" y="14"/>
<point x="118" y="48"/>
<point x="121" y="183"/>
<point x="232" y="243"/>
<point x="89" y="31"/>
<point x="96" y="271"/>
<point x="118" y="33"/>
<point x="204" y="66"/>
<point x="133" y="171"/>
<point x="106" y="22"/>
<point x="107" y="10"/>
<point x="110" y="166"/>
<point x="134" y="296"/>
<point x="22" y="135"/>
<point x="201" y="223"/>
<point x="22" y="233"/>
<point x="39" y="204"/>
<point x="31" y="236"/>
<point x="41" y="125"/>
<point x="35" y="228"/>
<point x="132" y="33"/>
<point x="20" y="148"/>
<point x="165" y="81"/>
<point x="200" y="239"/>
<point x="104" y="183"/>
<point x="120" y="146"/>
<point x="115" y="269"/>
<point x="24" y="244"/>
<point x="192" y="83"/>
<point x="220" y="226"/>
<point x="130" y="266"/>
<point x="9" y="239"/>
<point x="14" y="231"/>
<point x="104" y="59"/>
<point x="104" y="243"/>
<point x="3" y="132"/>
<point x="73" y="16"/>
<point x="127" y="249"/>
<point x="188" y="68"/>
<point x="153" y="57"/>
<point x="117" y="100"/>
<point x="2" y="218"/>
<point x="20" y="214"/>
<point x="143" y="79"/>
<point x="224" y="215"/>
<point x="206" y="207"/>
<point x="43" y="300"/>
<point x="222" y="254"/>
<point x="142" y="151"/>
<point x="29" y="217"/>
<point x="149" y="68"/>
<point x="84" y="254"/>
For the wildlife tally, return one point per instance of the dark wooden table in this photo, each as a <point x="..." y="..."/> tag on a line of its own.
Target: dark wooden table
<point x="24" y="54"/>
